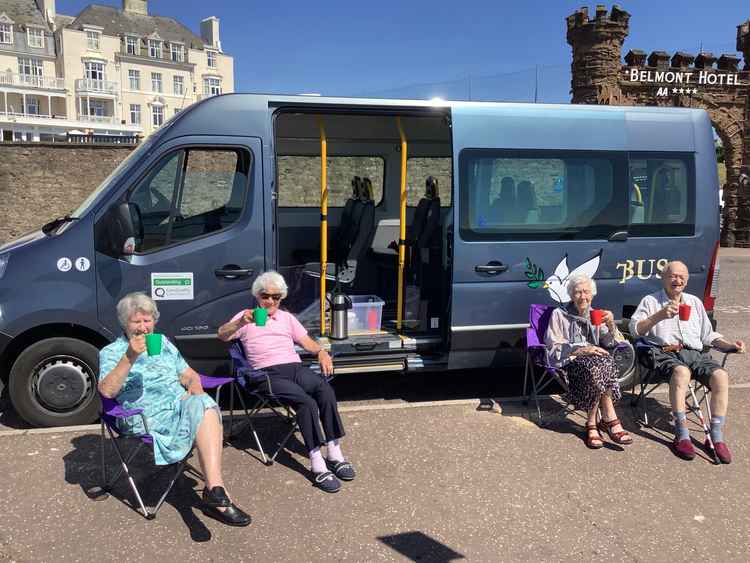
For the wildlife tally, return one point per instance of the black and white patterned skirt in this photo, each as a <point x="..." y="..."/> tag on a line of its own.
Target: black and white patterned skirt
<point x="589" y="377"/>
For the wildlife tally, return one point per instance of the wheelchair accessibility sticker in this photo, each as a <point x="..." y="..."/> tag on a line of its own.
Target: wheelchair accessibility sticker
<point x="172" y="286"/>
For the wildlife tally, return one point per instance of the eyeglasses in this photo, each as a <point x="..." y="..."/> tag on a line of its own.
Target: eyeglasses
<point x="274" y="296"/>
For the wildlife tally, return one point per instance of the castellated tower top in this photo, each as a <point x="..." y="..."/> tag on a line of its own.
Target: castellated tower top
<point x="604" y="27"/>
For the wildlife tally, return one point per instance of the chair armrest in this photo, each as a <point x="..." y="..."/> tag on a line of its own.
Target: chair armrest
<point x="119" y="411"/>
<point x="209" y="382"/>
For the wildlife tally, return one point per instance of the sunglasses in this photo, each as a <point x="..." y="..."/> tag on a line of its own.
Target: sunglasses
<point x="274" y="296"/>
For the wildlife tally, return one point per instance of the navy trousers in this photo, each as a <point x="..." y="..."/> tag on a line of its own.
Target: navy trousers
<point x="311" y="397"/>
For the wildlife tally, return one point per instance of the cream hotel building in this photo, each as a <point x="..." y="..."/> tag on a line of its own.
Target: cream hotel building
<point x="106" y="71"/>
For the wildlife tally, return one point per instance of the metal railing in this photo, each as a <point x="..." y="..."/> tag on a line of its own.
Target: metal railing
<point x="103" y="139"/>
<point x="21" y="115"/>
<point x="98" y="86"/>
<point x="31" y="81"/>
<point x="98" y="118"/>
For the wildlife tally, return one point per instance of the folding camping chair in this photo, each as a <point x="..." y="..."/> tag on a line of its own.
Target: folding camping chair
<point x="650" y="379"/>
<point x="241" y="371"/>
<point x="542" y="373"/>
<point x="110" y="412"/>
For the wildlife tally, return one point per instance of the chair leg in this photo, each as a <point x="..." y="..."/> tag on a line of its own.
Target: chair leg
<point x="180" y="467"/>
<point x="283" y="442"/>
<point x="124" y="469"/>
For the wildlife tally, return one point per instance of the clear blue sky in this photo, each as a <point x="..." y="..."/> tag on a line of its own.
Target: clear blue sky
<point x="483" y="49"/>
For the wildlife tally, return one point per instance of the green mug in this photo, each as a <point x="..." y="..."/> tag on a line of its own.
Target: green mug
<point x="153" y="344"/>
<point x="260" y="315"/>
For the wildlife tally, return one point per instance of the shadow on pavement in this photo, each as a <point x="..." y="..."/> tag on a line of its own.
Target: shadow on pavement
<point x="82" y="467"/>
<point x="417" y="546"/>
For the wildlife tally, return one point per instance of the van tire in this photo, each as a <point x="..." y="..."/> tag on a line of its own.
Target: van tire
<point x="53" y="383"/>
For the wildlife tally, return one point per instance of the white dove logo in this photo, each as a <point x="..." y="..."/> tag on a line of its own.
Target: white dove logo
<point x="557" y="283"/>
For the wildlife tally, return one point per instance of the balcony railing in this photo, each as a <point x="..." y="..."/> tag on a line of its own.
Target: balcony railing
<point x="31" y="81"/>
<point x="98" y="118"/>
<point x="97" y="86"/>
<point x="21" y="115"/>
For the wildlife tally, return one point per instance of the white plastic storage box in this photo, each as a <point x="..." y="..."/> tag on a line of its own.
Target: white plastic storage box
<point x="366" y="313"/>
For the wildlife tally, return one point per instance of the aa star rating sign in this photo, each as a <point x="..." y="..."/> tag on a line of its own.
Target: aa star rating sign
<point x="666" y="81"/>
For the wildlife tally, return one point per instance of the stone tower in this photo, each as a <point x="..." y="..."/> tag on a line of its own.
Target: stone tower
<point x="743" y="42"/>
<point x="597" y="45"/>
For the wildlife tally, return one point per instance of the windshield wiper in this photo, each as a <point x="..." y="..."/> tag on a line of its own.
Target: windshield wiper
<point x="56" y="223"/>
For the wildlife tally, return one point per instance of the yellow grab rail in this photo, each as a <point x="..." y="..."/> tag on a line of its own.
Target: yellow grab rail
<point x="323" y="223"/>
<point x="402" y="229"/>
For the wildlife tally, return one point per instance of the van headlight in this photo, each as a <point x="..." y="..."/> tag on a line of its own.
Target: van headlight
<point x="3" y="264"/>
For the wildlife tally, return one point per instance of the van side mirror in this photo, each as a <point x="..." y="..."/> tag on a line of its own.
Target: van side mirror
<point x="114" y="234"/>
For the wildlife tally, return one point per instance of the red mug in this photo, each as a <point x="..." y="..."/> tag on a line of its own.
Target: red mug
<point x="597" y="315"/>
<point x="684" y="312"/>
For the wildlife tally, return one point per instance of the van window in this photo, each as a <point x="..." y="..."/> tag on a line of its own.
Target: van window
<point x="418" y="169"/>
<point x="542" y="195"/>
<point x="662" y="201"/>
<point x="299" y="179"/>
<point x="188" y="194"/>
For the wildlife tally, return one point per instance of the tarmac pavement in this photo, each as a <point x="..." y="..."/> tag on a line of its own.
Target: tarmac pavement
<point x="436" y="482"/>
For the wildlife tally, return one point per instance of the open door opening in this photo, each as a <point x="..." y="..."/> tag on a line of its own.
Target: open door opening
<point x="382" y="171"/>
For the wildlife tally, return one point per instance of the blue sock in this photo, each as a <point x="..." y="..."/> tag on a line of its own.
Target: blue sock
<point x="717" y="425"/>
<point x="680" y="425"/>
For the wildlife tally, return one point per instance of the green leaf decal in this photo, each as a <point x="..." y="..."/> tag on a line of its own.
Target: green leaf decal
<point x="535" y="284"/>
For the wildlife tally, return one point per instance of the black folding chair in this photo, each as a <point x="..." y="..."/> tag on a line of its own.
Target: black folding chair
<point x="110" y="413"/>
<point x="650" y="379"/>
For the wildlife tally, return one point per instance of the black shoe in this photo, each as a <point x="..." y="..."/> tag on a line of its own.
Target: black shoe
<point x="342" y="469"/>
<point x="326" y="482"/>
<point x="232" y="515"/>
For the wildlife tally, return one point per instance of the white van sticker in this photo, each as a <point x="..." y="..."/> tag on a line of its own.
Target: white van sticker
<point x="64" y="264"/>
<point x="556" y="284"/>
<point x="82" y="264"/>
<point x="172" y="286"/>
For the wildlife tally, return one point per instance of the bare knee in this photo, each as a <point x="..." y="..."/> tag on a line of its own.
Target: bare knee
<point x="719" y="381"/>
<point x="680" y="376"/>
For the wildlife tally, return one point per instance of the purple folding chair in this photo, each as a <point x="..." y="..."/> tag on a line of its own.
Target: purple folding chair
<point x="537" y="368"/>
<point x="110" y="413"/>
<point x="542" y="373"/>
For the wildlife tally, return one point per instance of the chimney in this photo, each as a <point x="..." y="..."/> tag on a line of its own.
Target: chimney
<point x="210" y="32"/>
<point x="47" y="7"/>
<point x="135" y="7"/>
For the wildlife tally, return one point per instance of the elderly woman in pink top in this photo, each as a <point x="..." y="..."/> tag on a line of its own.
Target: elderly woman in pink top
<point x="270" y="350"/>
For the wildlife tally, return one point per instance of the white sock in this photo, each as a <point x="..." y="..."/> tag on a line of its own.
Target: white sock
<point x="317" y="463"/>
<point x="334" y="451"/>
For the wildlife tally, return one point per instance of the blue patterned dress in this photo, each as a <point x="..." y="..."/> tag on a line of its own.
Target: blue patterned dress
<point x="153" y="385"/>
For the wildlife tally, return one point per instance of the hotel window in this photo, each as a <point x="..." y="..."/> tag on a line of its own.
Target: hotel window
<point x="154" y="49"/>
<point x="30" y="70"/>
<point x="92" y="40"/>
<point x="179" y="86"/>
<point x="35" y="37"/>
<point x="94" y="74"/>
<point x="95" y="108"/>
<point x="177" y="110"/>
<point x="156" y="82"/>
<point x="134" y="79"/>
<point x="6" y="33"/>
<point x="157" y="116"/>
<point x="132" y="46"/>
<point x="135" y="114"/>
<point x="211" y="86"/>
<point x="177" y="52"/>
<point x="32" y="105"/>
<point x="211" y="58"/>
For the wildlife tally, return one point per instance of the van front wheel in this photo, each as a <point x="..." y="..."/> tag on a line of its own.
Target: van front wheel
<point x="53" y="383"/>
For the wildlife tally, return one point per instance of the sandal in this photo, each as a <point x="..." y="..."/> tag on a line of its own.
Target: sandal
<point x="593" y="438"/>
<point x="622" y="437"/>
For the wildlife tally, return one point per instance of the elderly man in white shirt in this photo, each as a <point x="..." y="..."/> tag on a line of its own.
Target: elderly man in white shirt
<point x="679" y="354"/>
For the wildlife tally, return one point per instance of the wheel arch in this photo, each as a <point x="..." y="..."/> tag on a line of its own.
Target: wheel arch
<point x="42" y="332"/>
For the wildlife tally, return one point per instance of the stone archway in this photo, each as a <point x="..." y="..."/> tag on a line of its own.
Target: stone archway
<point x="599" y="76"/>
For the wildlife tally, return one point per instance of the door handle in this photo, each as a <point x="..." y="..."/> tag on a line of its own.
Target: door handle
<point x="493" y="267"/>
<point x="230" y="271"/>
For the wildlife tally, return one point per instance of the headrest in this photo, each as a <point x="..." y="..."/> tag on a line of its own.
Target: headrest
<point x="356" y="187"/>
<point x="507" y="188"/>
<point x="526" y="195"/>
<point x="365" y="193"/>
<point x="431" y="188"/>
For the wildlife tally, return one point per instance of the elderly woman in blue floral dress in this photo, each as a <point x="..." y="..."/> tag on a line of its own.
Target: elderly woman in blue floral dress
<point x="178" y="412"/>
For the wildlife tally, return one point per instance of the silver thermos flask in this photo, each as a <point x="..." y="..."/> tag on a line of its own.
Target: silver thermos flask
<point x="340" y="305"/>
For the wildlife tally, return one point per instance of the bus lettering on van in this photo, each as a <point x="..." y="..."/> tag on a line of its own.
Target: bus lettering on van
<point x="642" y="268"/>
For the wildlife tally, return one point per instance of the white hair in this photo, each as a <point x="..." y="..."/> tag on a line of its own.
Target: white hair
<point x="269" y="279"/>
<point x="134" y="302"/>
<point x="577" y="279"/>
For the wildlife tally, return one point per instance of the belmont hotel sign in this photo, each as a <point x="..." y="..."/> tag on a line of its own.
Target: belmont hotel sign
<point x="682" y="82"/>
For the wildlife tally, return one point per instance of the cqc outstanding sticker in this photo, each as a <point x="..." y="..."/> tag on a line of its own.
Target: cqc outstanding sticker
<point x="171" y="286"/>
